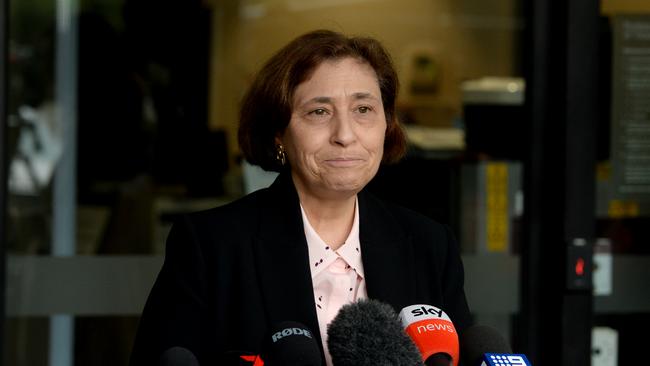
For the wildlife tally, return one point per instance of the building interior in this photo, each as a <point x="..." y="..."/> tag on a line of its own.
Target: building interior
<point x="528" y="125"/>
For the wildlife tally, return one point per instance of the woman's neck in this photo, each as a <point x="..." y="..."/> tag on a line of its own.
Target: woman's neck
<point x="331" y="219"/>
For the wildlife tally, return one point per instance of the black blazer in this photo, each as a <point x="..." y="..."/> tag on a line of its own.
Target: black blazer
<point x="232" y="271"/>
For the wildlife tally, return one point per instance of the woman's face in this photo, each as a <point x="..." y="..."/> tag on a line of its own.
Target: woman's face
<point x="335" y="138"/>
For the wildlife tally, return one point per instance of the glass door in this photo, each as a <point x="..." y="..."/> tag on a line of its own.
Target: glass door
<point x="99" y="96"/>
<point x="41" y="160"/>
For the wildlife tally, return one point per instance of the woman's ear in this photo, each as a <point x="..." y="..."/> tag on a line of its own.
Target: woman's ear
<point x="278" y="141"/>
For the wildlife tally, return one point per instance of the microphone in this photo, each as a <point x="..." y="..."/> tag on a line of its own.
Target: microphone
<point x="368" y="333"/>
<point x="483" y="345"/>
<point x="178" y="356"/>
<point x="290" y="343"/>
<point x="432" y="332"/>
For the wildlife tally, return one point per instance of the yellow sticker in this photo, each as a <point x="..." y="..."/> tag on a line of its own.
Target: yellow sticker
<point x="497" y="223"/>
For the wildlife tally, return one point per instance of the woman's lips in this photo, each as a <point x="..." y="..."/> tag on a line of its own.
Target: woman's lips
<point x="344" y="162"/>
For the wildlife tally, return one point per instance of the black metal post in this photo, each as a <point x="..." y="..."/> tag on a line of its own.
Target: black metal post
<point x="561" y="97"/>
<point x="4" y="40"/>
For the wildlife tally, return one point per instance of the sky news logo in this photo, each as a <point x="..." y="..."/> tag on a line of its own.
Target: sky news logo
<point x="420" y="312"/>
<point x="505" y="359"/>
<point x="433" y="326"/>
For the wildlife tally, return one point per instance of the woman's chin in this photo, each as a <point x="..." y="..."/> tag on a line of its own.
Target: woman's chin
<point x="344" y="186"/>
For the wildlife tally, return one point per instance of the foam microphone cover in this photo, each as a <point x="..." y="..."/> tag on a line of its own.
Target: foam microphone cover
<point x="368" y="333"/>
<point x="290" y="343"/>
<point x="478" y="340"/>
<point x="439" y="359"/>
<point x="178" y="356"/>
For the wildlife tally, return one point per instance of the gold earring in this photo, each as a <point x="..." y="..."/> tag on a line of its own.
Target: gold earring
<point x="280" y="155"/>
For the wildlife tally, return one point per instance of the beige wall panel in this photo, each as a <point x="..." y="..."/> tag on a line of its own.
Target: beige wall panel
<point x="467" y="38"/>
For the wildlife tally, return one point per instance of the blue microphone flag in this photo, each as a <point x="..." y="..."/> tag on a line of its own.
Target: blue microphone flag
<point x="505" y="359"/>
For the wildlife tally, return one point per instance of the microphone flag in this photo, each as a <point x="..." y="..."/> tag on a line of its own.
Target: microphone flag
<point x="505" y="359"/>
<point x="431" y="330"/>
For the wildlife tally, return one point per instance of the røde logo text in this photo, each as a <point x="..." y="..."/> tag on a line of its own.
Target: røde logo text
<point x="290" y="331"/>
<point x="423" y="310"/>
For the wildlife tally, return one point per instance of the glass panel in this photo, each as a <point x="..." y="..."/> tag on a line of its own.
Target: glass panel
<point x="623" y="203"/>
<point x="109" y="134"/>
<point x="34" y="149"/>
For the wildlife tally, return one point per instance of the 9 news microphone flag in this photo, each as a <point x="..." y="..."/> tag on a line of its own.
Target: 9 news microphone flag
<point x="485" y="346"/>
<point x="505" y="359"/>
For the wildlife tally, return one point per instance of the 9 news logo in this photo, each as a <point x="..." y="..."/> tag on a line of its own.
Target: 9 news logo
<point x="505" y="359"/>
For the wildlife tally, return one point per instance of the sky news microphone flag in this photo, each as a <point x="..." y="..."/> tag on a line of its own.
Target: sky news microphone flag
<point x="431" y="330"/>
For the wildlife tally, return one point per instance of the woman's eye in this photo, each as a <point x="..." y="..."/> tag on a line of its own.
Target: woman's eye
<point x="319" y="112"/>
<point x="363" y="109"/>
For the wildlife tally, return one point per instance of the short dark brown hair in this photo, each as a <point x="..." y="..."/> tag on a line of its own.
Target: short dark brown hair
<point x="267" y="106"/>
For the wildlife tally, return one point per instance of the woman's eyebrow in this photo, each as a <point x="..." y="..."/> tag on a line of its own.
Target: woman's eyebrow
<point x="363" y="95"/>
<point x="315" y="100"/>
<point x="320" y="100"/>
<point x="329" y="100"/>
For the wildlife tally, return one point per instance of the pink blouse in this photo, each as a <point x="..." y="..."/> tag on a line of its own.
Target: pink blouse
<point x="337" y="276"/>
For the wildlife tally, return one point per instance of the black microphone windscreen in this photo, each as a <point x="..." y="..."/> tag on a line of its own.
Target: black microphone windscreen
<point x="178" y="356"/>
<point x="478" y="340"/>
<point x="439" y="359"/>
<point x="290" y="343"/>
<point x="368" y="332"/>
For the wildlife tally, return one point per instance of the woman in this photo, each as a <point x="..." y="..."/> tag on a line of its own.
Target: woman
<point x="322" y="113"/>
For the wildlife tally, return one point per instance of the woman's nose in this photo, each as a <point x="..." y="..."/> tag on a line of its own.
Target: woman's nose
<point x="343" y="129"/>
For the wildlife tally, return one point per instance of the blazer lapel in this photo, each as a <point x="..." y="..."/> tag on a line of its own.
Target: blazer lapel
<point x="387" y="252"/>
<point x="282" y="258"/>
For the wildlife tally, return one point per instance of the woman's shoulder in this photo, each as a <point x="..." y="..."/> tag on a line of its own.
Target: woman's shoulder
<point x="410" y="220"/>
<point x="240" y="213"/>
